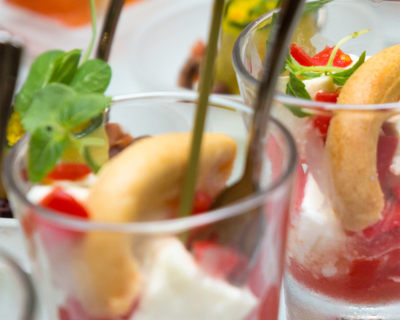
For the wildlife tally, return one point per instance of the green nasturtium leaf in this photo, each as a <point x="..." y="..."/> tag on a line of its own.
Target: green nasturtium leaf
<point x="65" y="67"/>
<point x="38" y="77"/>
<point x="46" y="105"/>
<point x="82" y="108"/>
<point x="45" y="148"/>
<point x="92" y="77"/>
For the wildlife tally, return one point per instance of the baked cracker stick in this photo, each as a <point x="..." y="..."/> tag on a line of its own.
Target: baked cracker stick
<point x="144" y="182"/>
<point x="357" y="198"/>
<point x="351" y="146"/>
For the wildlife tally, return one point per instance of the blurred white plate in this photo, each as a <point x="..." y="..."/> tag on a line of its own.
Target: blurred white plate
<point x="159" y="49"/>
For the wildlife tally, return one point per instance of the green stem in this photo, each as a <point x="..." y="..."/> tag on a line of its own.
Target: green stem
<point x="186" y="203"/>
<point x="319" y="69"/>
<point x="94" y="30"/>
<point x="350" y="36"/>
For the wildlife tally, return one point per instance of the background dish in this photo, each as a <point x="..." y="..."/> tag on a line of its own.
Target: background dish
<point x="158" y="51"/>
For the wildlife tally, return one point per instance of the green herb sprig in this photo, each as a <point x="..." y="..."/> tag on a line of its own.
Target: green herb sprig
<point x="316" y="71"/>
<point x="296" y="88"/>
<point x="59" y="95"/>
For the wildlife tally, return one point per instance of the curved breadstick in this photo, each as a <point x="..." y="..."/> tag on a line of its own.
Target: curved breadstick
<point x="376" y="81"/>
<point x="351" y="146"/>
<point x="357" y="198"/>
<point x="147" y="178"/>
<point x="144" y="182"/>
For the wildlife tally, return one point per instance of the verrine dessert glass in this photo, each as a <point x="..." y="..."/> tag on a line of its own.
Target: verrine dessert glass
<point x="343" y="259"/>
<point x="223" y="264"/>
<point x="17" y="295"/>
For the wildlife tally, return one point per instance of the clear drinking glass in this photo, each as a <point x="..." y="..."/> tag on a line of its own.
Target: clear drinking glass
<point x="334" y="273"/>
<point x="17" y="296"/>
<point x="224" y="264"/>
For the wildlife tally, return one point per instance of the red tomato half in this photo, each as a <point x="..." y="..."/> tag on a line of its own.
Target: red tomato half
<point x="69" y="171"/>
<point x="341" y="59"/>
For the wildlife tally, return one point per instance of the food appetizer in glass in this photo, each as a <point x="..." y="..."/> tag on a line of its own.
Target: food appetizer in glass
<point x="96" y="184"/>
<point x="340" y="98"/>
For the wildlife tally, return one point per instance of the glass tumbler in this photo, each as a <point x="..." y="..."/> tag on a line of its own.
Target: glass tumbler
<point x="223" y="264"/>
<point x="334" y="271"/>
<point x="17" y="295"/>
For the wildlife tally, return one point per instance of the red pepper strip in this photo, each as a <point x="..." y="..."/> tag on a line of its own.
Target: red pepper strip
<point x="341" y="59"/>
<point x="327" y="96"/>
<point x="300" y="55"/>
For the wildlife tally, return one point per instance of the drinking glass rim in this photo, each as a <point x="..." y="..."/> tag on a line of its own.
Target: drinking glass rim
<point x="287" y="99"/>
<point x="161" y="226"/>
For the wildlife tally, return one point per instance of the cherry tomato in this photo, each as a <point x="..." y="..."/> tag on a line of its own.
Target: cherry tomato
<point x="300" y="55"/>
<point x="341" y="59"/>
<point x="327" y="96"/>
<point x="69" y="171"/>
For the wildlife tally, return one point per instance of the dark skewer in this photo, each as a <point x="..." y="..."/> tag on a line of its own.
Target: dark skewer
<point x="109" y="27"/>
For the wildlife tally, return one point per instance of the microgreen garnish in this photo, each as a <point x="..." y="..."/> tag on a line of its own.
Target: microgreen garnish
<point x="58" y="96"/>
<point x="311" y="72"/>
<point x="340" y="78"/>
<point x="339" y="75"/>
<point x="350" y="36"/>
